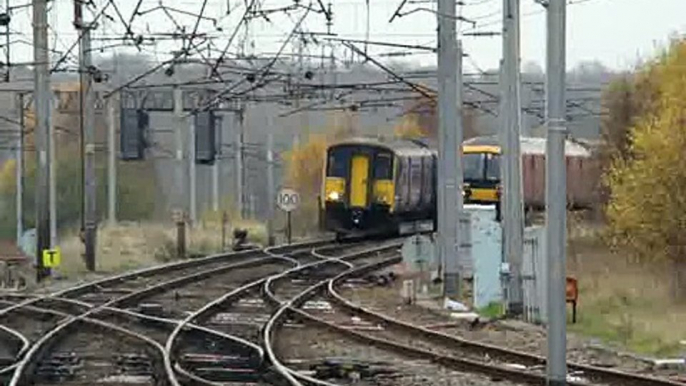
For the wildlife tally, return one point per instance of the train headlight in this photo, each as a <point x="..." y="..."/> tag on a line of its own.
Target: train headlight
<point x="334" y="196"/>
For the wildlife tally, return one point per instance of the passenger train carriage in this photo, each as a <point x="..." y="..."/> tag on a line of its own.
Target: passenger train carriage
<point x="378" y="187"/>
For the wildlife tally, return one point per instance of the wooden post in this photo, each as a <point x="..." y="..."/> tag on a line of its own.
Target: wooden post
<point x="180" y="234"/>
<point x="225" y="221"/>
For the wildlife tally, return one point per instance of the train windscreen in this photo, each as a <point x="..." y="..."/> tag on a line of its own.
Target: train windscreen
<point x="383" y="166"/>
<point x="493" y="167"/>
<point x="337" y="163"/>
<point x="473" y="166"/>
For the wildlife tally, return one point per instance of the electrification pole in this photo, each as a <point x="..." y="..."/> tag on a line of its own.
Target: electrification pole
<point x="239" y="161"/>
<point x="192" y="188"/>
<point x="20" y="169"/>
<point x="301" y="137"/>
<point x="215" y="185"/>
<point x="111" y="163"/>
<point x="556" y="197"/>
<point x="449" y="126"/>
<point x="513" y="219"/>
<point x="458" y="173"/>
<point x="180" y="126"/>
<point x="42" y="96"/>
<point x="271" y="194"/>
<point x="215" y="166"/>
<point x="52" y="195"/>
<point x="88" y="116"/>
<point x="8" y="56"/>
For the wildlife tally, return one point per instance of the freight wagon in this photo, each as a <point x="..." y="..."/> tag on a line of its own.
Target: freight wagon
<point x="482" y="161"/>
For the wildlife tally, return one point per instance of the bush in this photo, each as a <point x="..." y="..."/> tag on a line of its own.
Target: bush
<point x="647" y="207"/>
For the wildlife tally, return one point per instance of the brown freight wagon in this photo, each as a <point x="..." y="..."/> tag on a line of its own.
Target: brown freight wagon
<point x="583" y="172"/>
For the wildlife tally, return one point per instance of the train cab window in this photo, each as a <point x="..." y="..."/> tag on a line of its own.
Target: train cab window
<point x="493" y="167"/>
<point x="383" y="167"/>
<point x="337" y="163"/>
<point x="473" y="166"/>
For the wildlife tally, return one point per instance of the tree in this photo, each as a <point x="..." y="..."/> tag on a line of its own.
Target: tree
<point x="421" y="120"/>
<point x="647" y="208"/>
<point x="626" y="100"/>
<point x="304" y="172"/>
<point x="136" y="185"/>
<point x="409" y="128"/>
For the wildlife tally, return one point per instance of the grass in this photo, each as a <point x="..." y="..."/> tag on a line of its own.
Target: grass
<point x="622" y="303"/>
<point x="492" y="311"/>
<point x="136" y="245"/>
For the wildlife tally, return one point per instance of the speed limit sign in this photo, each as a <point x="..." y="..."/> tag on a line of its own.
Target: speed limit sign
<point x="288" y="199"/>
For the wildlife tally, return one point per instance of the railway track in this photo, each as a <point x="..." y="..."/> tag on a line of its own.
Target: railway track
<point x="240" y="313"/>
<point x="417" y="342"/>
<point x="98" y="292"/>
<point x="116" y="304"/>
<point x="235" y="319"/>
<point x="296" y="294"/>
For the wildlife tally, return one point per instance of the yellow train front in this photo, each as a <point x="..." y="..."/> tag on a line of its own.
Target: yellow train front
<point x="376" y="187"/>
<point x="481" y="171"/>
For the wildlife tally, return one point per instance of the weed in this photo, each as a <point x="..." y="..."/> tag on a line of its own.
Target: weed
<point x="492" y="311"/>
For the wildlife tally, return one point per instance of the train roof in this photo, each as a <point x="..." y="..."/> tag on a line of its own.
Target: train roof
<point x="398" y="146"/>
<point x="530" y="145"/>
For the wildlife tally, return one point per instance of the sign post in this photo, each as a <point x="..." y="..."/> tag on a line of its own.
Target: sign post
<point x="288" y="200"/>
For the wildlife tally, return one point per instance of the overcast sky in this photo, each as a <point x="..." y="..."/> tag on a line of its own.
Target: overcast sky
<point x="614" y="32"/>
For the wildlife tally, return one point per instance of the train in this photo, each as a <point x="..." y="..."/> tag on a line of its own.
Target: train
<point x="481" y="166"/>
<point x="377" y="186"/>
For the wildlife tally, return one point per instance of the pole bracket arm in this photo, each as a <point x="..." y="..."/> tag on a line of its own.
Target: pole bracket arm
<point x="556" y="126"/>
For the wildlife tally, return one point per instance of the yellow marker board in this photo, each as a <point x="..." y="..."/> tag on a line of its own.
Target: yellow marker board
<point x="52" y="258"/>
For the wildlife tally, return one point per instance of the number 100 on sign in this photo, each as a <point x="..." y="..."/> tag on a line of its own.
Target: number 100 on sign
<point x="288" y="200"/>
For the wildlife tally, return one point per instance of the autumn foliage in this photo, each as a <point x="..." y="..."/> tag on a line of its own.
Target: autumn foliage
<point x="647" y="176"/>
<point x="305" y="163"/>
<point x="421" y="121"/>
<point x="409" y="128"/>
<point x="304" y="172"/>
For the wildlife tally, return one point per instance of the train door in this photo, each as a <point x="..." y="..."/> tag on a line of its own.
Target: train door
<point x="359" y="179"/>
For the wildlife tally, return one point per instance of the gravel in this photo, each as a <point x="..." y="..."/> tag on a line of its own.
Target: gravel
<point x="306" y="344"/>
<point x="505" y="333"/>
